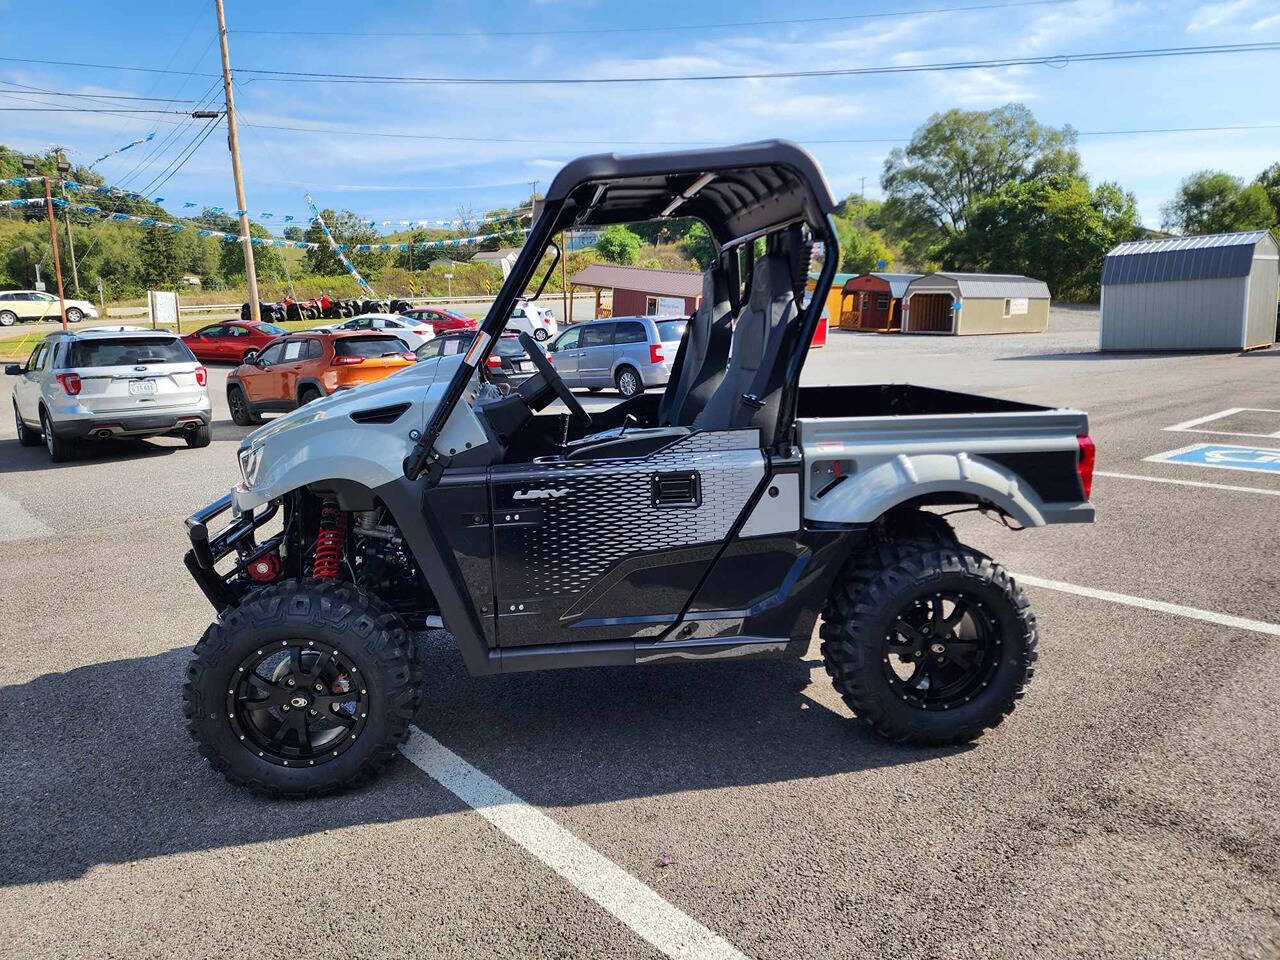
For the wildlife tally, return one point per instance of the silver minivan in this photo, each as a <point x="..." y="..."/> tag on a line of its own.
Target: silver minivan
<point x="109" y="383"/>
<point x="629" y="353"/>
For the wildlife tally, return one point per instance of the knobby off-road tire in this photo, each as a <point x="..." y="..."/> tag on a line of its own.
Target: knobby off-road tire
<point x="344" y="636"/>
<point x="900" y="580"/>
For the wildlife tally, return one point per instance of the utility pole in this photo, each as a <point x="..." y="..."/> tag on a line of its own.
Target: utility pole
<point x="233" y="144"/>
<point x="564" y="284"/>
<point x="864" y="189"/>
<point x="63" y="169"/>
<point x="57" y="260"/>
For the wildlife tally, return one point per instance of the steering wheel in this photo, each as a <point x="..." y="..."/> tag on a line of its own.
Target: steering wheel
<point x="554" y="379"/>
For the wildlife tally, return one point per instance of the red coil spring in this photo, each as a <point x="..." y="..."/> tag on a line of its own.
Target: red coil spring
<point x="333" y="532"/>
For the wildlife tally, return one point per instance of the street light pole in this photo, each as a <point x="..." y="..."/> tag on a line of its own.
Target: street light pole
<point x="233" y="144"/>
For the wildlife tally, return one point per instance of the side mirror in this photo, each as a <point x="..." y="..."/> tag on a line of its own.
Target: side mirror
<point x="251" y="356"/>
<point x="13" y="369"/>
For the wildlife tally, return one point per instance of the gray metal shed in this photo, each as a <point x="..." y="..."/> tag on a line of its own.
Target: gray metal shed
<point x="1191" y="293"/>
<point x="965" y="303"/>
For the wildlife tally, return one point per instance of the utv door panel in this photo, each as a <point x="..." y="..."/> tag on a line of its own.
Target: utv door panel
<point x="585" y="550"/>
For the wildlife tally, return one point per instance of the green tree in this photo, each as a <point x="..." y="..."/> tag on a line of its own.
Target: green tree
<point x="346" y="227"/>
<point x="617" y="244"/>
<point x="267" y="261"/>
<point x="959" y="158"/>
<point x="159" y="258"/>
<point x="697" y="245"/>
<point x="1269" y="180"/>
<point x="861" y="250"/>
<point x="293" y="232"/>
<point x="1213" y="201"/>
<point x="1056" y="230"/>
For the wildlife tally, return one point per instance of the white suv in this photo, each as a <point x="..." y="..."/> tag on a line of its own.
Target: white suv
<point x="103" y="383"/>
<point x="538" y="322"/>
<point x="16" y="305"/>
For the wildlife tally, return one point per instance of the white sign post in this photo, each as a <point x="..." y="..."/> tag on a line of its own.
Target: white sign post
<point x="162" y="306"/>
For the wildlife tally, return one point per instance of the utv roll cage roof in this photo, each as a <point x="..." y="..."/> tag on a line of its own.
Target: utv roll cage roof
<point x="740" y="192"/>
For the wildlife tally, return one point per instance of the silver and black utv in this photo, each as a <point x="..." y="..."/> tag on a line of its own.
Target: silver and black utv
<point x="719" y="520"/>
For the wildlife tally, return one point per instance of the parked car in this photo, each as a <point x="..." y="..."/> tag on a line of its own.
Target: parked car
<point x="413" y="332"/>
<point x="22" y="305"/>
<point x="100" y="384"/>
<point x="506" y="364"/>
<point x="230" y="342"/>
<point x="441" y="318"/>
<point x="538" y="322"/>
<point x="629" y="353"/>
<point x="296" y="369"/>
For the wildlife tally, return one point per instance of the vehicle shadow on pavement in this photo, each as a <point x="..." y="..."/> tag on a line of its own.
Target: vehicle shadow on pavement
<point x="101" y="769"/>
<point x="15" y="458"/>
<point x="1115" y="355"/>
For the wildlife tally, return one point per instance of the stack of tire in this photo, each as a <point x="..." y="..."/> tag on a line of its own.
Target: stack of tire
<point x="400" y="306"/>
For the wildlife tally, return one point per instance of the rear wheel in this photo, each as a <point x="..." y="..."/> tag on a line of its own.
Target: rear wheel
<point x="26" y="436"/>
<point x="201" y="436"/>
<point x="303" y="689"/>
<point x="8" y="318"/>
<point x="629" y="382"/>
<point x="928" y="642"/>
<point x="307" y="394"/>
<point x="242" y="414"/>
<point x="60" y="448"/>
<point x="74" y="315"/>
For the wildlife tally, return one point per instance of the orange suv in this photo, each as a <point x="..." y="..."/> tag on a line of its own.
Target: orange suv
<point x="301" y="367"/>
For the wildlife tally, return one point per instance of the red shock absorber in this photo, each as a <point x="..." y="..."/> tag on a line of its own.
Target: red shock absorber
<point x="329" y="541"/>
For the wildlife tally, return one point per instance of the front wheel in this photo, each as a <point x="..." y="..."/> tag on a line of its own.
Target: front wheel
<point x="242" y="414"/>
<point x="303" y="689"/>
<point x="74" y="315"/>
<point x="541" y="335"/>
<point x="629" y="382"/>
<point x="927" y="642"/>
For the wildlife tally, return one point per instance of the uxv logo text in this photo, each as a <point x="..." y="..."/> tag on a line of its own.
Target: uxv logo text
<point x="538" y="494"/>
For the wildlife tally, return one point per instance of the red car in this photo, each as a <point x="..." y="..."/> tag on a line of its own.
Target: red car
<point x="228" y="342"/>
<point x="440" y="318"/>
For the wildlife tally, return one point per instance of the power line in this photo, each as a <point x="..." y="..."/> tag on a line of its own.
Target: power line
<point x="89" y="96"/>
<point x="117" y="111"/>
<point x="660" y="28"/>
<point x="605" y="142"/>
<point x="168" y="173"/>
<point x="1056" y="61"/>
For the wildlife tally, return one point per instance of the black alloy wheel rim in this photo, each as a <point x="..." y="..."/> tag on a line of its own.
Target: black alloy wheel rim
<point x="297" y="703"/>
<point x="941" y="650"/>
<point x="236" y="402"/>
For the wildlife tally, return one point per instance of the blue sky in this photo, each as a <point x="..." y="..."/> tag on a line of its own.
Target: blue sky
<point x="407" y="178"/>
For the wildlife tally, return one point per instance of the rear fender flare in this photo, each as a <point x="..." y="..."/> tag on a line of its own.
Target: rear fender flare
<point x="877" y="488"/>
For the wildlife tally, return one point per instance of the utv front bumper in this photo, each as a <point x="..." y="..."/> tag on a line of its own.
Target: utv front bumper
<point x="224" y="590"/>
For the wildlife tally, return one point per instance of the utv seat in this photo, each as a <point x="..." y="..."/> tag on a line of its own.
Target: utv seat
<point x="748" y="393"/>
<point x="700" y="365"/>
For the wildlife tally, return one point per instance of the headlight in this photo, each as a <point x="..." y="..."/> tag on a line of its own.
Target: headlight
<point x="250" y="461"/>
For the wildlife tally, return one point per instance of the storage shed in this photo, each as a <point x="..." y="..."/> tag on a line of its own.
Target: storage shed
<point x="1191" y="293"/>
<point x="640" y="291"/>
<point x="969" y="303"/>
<point x="873" y="301"/>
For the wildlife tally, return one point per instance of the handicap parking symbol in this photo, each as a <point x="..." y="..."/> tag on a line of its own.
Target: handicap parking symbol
<point x="1224" y="456"/>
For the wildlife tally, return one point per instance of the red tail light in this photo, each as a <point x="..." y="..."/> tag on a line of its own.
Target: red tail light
<point x="70" y="383"/>
<point x="492" y="362"/>
<point x="202" y="376"/>
<point x="1084" y="463"/>
<point x="346" y="361"/>
<point x="655" y="353"/>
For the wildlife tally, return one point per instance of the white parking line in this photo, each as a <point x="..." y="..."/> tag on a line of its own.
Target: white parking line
<point x="17" y="523"/>
<point x="1187" y="483"/>
<point x="595" y="876"/>
<point x="1159" y="606"/>
<point x="1190" y="426"/>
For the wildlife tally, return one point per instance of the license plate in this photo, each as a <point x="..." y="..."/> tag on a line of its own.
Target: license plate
<point x="142" y="387"/>
<point x="520" y="366"/>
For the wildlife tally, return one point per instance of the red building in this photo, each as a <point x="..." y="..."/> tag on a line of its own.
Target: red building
<point x="640" y="291"/>
<point x="873" y="301"/>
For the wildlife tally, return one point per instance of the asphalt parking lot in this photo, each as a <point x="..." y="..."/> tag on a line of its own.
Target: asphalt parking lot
<point x="1129" y="808"/>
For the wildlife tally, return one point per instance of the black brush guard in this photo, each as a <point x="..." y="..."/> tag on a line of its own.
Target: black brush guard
<point x="238" y="536"/>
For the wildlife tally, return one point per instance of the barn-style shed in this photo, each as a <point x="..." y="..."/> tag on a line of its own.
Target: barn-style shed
<point x="1215" y="292"/>
<point x="873" y="301"/>
<point x="971" y="303"/>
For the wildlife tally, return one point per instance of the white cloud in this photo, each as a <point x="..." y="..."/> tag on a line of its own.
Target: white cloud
<point x="1210" y="15"/>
